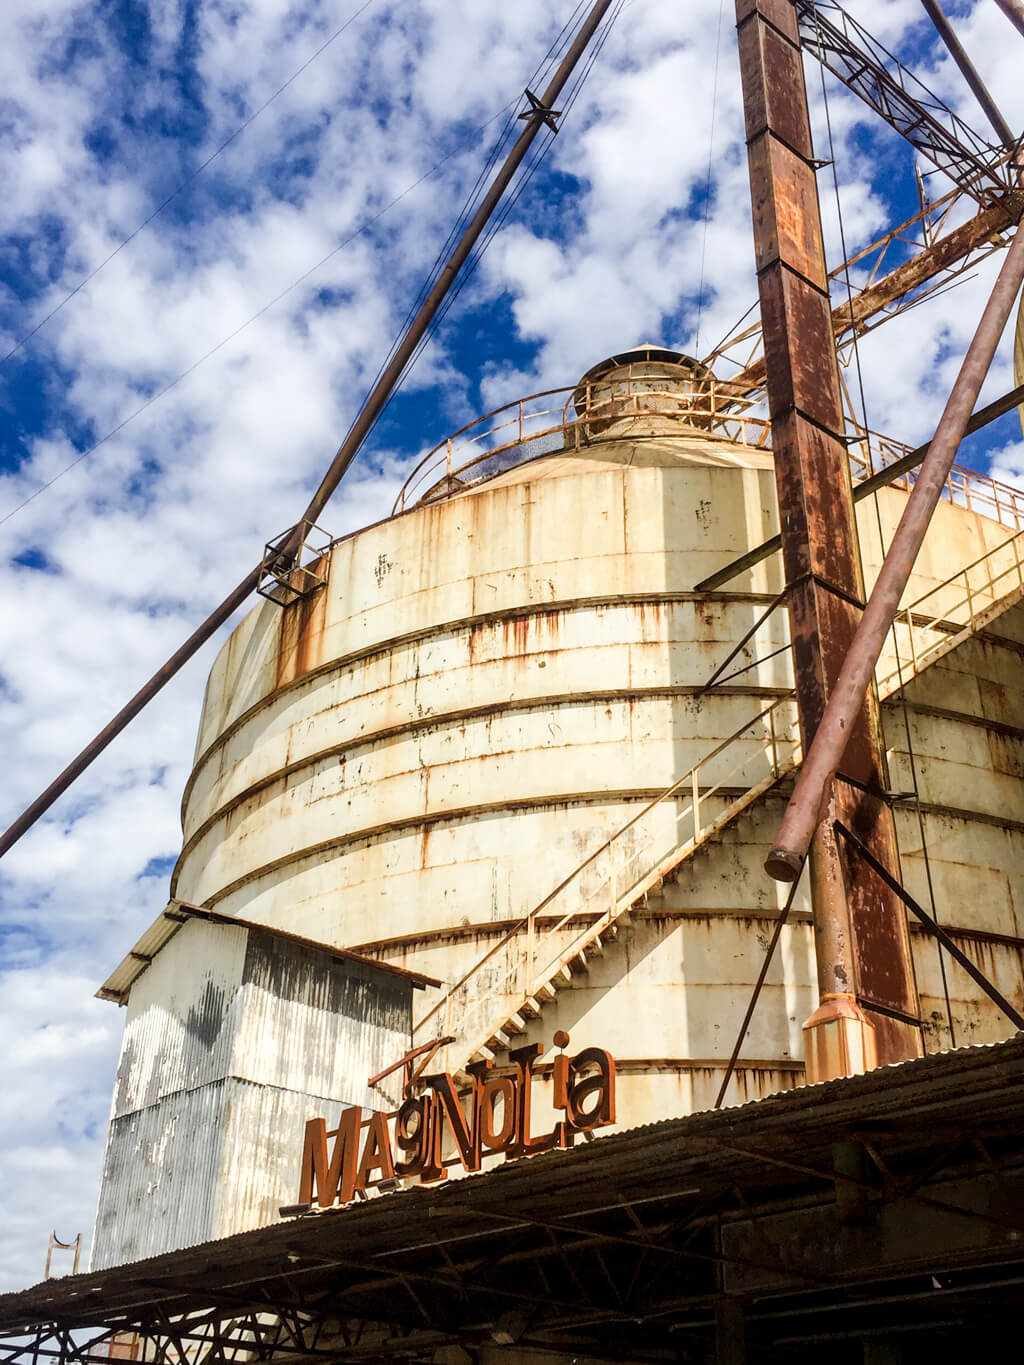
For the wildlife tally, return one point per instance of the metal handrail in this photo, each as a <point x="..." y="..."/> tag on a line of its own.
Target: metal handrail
<point x="691" y="778"/>
<point x="606" y="400"/>
<point x="455" y="463"/>
<point x="910" y="616"/>
<point x="688" y="778"/>
<point x="964" y="487"/>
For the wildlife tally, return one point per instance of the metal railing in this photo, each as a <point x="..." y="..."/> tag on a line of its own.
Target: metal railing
<point x="964" y="487"/>
<point x="546" y="422"/>
<point x="614" y="877"/>
<point x="959" y="607"/>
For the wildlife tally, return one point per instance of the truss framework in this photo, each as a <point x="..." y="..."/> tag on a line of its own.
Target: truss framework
<point x="865" y="66"/>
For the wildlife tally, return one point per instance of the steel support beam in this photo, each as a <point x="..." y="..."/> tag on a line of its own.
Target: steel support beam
<point x="991" y="412"/>
<point x="863" y="947"/>
<point x="1014" y="11"/>
<point x="969" y="71"/>
<point x="847" y="49"/>
<point x="852" y="317"/>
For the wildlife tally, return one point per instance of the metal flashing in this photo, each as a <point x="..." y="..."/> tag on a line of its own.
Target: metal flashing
<point x="176" y="913"/>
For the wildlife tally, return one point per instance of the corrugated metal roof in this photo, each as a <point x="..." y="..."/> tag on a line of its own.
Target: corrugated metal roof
<point x="782" y="1144"/>
<point x="176" y="913"/>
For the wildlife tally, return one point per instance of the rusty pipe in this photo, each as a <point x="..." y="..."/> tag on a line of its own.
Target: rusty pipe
<point x="826" y="751"/>
<point x="1014" y="11"/>
<point x="290" y="543"/>
<point x="969" y="72"/>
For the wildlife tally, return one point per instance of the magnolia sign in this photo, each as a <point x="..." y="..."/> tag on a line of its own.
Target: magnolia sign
<point x="498" y="1121"/>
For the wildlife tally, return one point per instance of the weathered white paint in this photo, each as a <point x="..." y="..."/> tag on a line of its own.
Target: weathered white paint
<point x="490" y="685"/>
<point x="233" y="1039"/>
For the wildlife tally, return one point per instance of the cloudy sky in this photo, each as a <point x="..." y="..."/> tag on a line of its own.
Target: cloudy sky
<point x="329" y="205"/>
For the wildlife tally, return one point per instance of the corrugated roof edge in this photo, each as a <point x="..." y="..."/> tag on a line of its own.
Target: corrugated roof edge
<point x="176" y="913"/>
<point x="971" y="1073"/>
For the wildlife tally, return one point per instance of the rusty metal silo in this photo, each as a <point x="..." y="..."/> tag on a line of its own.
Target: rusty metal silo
<point x="514" y="745"/>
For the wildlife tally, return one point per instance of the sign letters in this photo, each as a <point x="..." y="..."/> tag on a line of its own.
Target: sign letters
<point x="367" y="1151"/>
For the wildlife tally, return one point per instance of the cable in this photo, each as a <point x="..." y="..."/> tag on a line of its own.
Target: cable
<point x="537" y="155"/>
<point x="185" y="183"/>
<point x="707" y="184"/>
<point x="173" y="384"/>
<point x="882" y="546"/>
<point x="554" y="51"/>
<point x="538" y="77"/>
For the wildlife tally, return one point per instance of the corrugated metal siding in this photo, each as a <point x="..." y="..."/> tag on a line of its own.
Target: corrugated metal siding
<point x="313" y="1024"/>
<point x="262" y="1153"/>
<point x="160" y="1172"/>
<point x="235" y="1038"/>
<point x="182" y="1017"/>
<point x="198" y="1166"/>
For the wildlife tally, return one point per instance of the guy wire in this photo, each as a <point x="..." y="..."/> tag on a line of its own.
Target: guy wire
<point x="707" y="182"/>
<point x="536" y="157"/>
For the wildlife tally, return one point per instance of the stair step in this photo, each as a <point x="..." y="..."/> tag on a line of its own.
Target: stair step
<point x="545" y="993"/>
<point x="578" y="962"/>
<point x="515" y="1023"/>
<point x="531" y="1007"/>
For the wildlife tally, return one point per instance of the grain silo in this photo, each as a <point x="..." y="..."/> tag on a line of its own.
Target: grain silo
<point x="505" y="739"/>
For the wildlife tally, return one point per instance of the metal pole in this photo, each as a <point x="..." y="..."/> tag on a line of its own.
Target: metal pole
<point x="95" y="747"/>
<point x="969" y="72"/>
<point x="843" y="706"/>
<point x="541" y="113"/>
<point x="1014" y="11"/>
<point x="982" y="418"/>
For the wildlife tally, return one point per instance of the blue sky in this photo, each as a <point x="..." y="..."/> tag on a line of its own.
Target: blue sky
<point x="108" y="108"/>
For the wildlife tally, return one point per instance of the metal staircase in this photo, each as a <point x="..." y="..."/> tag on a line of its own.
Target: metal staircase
<point x="494" y="1002"/>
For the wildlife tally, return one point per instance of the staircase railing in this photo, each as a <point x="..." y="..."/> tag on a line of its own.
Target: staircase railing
<point x="617" y="873"/>
<point x="958" y="607"/>
<point x="512" y="980"/>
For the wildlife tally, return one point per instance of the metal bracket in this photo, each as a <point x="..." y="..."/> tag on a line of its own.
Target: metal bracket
<point x="539" y="110"/>
<point x="285" y="580"/>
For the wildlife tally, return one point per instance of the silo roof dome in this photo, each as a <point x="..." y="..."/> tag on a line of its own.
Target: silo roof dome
<point x="647" y="350"/>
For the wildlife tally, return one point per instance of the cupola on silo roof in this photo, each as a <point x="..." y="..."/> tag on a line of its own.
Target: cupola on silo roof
<point x="645" y="380"/>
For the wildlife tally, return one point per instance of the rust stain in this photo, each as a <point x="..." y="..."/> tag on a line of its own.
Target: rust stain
<point x="300" y="641"/>
<point x="425" y="847"/>
<point x="650" y="614"/>
<point x="516" y="633"/>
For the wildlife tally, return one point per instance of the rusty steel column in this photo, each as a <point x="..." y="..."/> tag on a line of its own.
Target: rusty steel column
<point x="868" y="1006"/>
